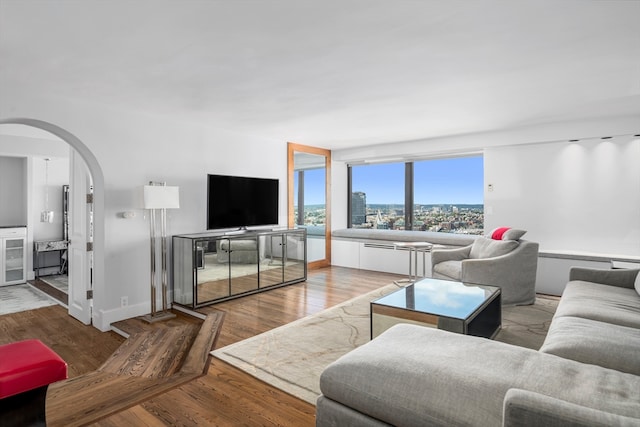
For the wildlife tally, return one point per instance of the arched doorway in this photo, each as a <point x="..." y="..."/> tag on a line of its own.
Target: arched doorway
<point x="97" y="179"/>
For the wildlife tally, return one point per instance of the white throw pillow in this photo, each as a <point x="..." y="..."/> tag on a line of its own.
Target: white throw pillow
<point x="637" y="283"/>
<point x="488" y="248"/>
<point x="513" y="234"/>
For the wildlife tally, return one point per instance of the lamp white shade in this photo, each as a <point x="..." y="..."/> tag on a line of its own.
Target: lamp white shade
<point x="161" y="197"/>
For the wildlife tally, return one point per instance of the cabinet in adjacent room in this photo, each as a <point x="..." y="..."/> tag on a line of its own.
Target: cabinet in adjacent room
<point x="216" y="266"/>
<point x="13" y="260"/>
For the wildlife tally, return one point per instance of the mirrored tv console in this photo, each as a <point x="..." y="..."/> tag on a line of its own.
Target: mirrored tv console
<point x="216" y="266"/>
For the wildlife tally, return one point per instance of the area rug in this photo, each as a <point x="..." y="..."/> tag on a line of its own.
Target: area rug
<point x="16" y="298"/>
<point x="293" y="356"/>
<point x="60" y="282"/>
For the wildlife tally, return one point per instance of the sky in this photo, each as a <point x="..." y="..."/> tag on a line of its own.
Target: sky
<point x="313" y="187"/>
<point x="457" y="180"/>
<point x="442" y="181"/>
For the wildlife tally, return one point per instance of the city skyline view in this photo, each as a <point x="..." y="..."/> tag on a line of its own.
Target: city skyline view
<point x="448" y="196"/>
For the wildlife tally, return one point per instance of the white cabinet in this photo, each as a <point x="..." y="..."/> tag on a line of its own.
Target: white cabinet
<point x="376" y="256"/>
<point x="13" y="248"/>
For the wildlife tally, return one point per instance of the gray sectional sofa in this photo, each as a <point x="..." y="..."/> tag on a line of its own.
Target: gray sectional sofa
<point x="587" y="372"/>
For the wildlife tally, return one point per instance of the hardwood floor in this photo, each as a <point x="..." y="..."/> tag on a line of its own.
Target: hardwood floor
<point x="84" y="348"/>
<point x="225" y="396"/>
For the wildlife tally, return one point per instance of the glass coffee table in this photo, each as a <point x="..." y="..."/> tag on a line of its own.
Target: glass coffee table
<point x="452" y="306"/>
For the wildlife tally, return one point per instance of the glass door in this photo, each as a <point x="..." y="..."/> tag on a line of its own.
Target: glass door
<point x="212" y="269"/>
<point x="243" y="259"/>
<point x="271" y="267"/>
<point x="14" y="260"/>
<point x="295" y="262"/>
<point x="309" y="199"/>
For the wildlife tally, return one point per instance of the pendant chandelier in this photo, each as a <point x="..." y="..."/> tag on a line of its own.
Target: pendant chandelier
<point x="46" y="215"/>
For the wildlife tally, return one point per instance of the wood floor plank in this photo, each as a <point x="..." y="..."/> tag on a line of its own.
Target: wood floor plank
<point x="225" y="396"/>
<point x="150" y="362"/>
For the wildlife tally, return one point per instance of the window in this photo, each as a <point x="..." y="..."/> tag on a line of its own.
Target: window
<point x="377" y="196"/>
<point x="444" y="195"/>
<point x="308" y="198"/>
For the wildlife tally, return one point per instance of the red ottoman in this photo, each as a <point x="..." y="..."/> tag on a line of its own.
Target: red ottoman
<point x="26" y="370"/>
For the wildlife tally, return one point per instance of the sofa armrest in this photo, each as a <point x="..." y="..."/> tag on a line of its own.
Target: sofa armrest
<point x="441" y="255"/>
<point x="623" y="278"/>
<point x="524" y="408"/>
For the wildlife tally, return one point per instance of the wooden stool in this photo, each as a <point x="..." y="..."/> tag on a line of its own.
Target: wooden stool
<point x="26" y="370"/>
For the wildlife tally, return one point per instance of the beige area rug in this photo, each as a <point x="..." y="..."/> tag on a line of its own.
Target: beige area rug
<point x="293" y="356"/>
<point x="16" y="298"/>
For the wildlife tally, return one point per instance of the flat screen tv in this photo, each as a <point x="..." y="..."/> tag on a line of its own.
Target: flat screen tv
<point x="240" y="202"/>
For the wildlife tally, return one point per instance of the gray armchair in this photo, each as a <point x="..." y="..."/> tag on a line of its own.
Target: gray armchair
<point x="509" y="264"/>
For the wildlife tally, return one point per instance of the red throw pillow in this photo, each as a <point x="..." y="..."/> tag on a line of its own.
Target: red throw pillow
<point x="499" y="232"/>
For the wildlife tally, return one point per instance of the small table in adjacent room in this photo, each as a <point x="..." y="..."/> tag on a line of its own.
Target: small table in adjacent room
<point x="42" y="247"/>
<point x="452" y="306"/>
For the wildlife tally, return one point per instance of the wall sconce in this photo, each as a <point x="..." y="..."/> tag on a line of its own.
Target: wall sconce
<point x="159" y="196"/>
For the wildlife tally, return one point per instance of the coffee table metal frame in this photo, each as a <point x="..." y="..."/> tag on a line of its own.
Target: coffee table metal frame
<point x="483" y="319"/>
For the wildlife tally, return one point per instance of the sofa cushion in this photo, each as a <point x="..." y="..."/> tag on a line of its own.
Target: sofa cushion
<point x="524" y="408"/>
<point x="609" y="304"/>
<point x="489" y="248"/>
<point x="442" y="381"/>
<point x="593" y="342"/>
<point x="450" y="269"/>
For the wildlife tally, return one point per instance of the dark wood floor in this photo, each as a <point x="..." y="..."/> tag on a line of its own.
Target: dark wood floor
<point x="226" y="396"/>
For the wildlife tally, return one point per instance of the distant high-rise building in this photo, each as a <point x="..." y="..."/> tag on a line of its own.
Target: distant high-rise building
<point x="358" y="208"/>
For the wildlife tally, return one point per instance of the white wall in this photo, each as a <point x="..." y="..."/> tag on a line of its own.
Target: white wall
<point x="582" y="197"/>
<point x="134" y="148"/>
<point x="13" y="184"/>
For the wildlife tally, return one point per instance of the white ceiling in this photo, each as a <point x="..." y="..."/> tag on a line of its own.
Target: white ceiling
<point x="335" y="74"/>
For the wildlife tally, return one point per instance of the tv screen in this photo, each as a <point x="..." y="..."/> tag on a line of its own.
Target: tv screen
<point x="236" y="201"/>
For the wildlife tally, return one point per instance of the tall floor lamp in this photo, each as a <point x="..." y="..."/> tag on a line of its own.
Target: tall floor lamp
<point x="159" y="196"/>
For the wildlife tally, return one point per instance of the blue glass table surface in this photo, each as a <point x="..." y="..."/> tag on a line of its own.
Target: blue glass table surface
<point x="440" y="297"/>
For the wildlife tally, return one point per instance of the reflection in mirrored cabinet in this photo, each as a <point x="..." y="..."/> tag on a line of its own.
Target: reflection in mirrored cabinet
<point x="213" y="267"/>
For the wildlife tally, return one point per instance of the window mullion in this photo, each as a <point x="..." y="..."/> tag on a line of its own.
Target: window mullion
<point x="349" y="197"/>
<point x="408" y="196"/>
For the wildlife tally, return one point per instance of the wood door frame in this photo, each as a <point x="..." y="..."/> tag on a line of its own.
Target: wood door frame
<point x="292" y="147"/>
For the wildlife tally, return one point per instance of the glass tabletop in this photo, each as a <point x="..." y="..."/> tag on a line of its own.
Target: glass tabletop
<point x="440" y="297"/>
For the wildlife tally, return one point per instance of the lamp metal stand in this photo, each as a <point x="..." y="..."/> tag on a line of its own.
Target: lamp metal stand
<point x="164" y="314"/>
